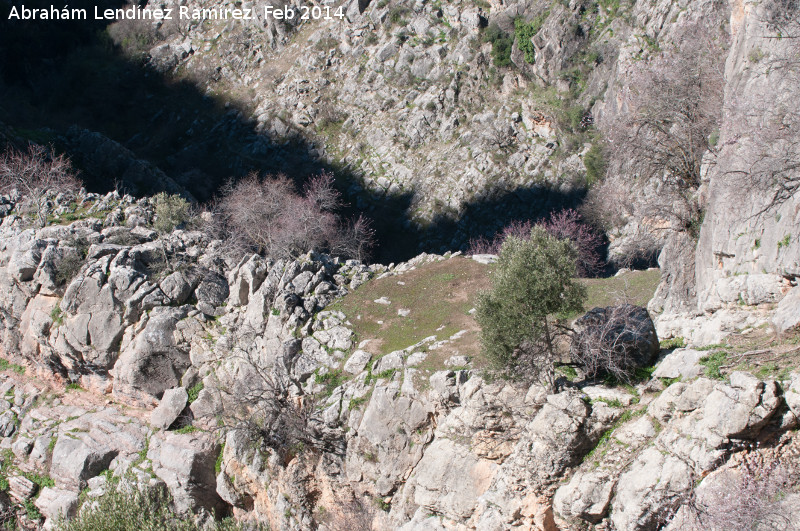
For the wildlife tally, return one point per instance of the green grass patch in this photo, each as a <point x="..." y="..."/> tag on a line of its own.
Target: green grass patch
<point x="187" y="429"/>
<point x="194" y="391"/>
<point x="525" y="31"/>
<point x="356" y="403"/>
<point x="218" y="463"/>
<point x="637" y="286"/>
<point x="713" y="363"/>
<point x="613" y="402"/>
<point x="713" y="346"/>
<point x="439" y="296"/>
<point x="568" y="371"/>
<point x="606" y="437"/>
<point x="56" y="315"/>
<point x="40" y="480"/>
<point x="6" y="365"/>
<point x="331" y="380"/>
<point x="673" y="343"/>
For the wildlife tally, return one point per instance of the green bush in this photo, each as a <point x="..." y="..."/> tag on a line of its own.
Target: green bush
<point x="171" y="211"/>
<point x="533" y="289"/>
<point x="194" y="391"/>
<point x="524" y="32"/>
<point x="501" y="44"/>
<point x="595" y="163"/>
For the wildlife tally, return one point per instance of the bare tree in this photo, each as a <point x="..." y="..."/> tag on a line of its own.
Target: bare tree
<point x="564" y="224"/>
<point x="268" y="215"/>
<point x="355" y="239"/>
<point x="764" y="136"/>
<point x="674" y="102"/>
<point x="750" y="497"/>
<point x="37" y="176"/>
<point x="567" y="224"/>
<point x="257" y="400"/>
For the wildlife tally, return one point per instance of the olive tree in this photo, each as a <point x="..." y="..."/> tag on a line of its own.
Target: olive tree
<point x="522" y="316"/>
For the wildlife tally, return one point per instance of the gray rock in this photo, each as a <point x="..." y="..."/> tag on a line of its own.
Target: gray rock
<point x="382" y="454"/>
<point x="390" y="361"/>
<point x="211" y="293"/>
<point x="741" y="410"/>
<point x="172" y="404"/>
<point x="8" y="423"/>
<point x="357" y="361"/>
<point x="176" y="287"/>
<point x="457" y="361"/>
<point x="105" y="330"/>
<point x="186" y="464"/>
<point x="439" y="479"/>
<point x="600" y="392"/>
<point x="787" y="314"/>
<point x="680" y="397"/>
<point x="485" y="258"/>
<point x="156" y="359"/>
<point x="55" y="504"/>
<point x="25" y="259"/>
<point x="341" y="338"/>
<point x="586" y="496"/>
<point x="21" y="487"/>
<point x="792" y="394"/>
<point x="75" y="461"/>
<point x="654" y="484"/>
<point x="387" y="52"/>
<point x="681" y="363"/>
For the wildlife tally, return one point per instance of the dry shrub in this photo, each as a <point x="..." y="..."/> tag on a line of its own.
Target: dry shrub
<point x="614" y="341"/>
<point x="757" y="496"/>
<point x="268" y="216"/>
<point x="566" y="224"/>
<point x="36" y="177"/>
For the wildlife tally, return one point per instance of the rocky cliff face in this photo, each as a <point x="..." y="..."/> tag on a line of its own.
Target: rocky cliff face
<point x="167" y="330"/>
<point x="141" y="319"/>
<point x="747" y="250"/>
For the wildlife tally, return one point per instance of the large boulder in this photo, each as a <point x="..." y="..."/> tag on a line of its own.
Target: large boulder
<point x="88" y="442"/>
<point x="653" y="486"/>
<point x="156" y="358"/>
<point x="76" y="460"/>
<point x="586" y="496"/>
<point x="449" y="479"/>
<point x="186" y="464"/>
<point x="56" y="504"/>
<point x="212" y="292"/>
<point x="624" y="334"/>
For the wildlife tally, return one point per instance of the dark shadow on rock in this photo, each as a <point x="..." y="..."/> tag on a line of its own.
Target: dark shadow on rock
<point x="62" y="82"/>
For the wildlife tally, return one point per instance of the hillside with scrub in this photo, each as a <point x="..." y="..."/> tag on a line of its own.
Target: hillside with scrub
<point x="424" y="266"/>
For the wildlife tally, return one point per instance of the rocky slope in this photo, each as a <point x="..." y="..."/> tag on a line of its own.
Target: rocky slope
<point x="165" y="331"/>
<point x="139" y="319"/>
